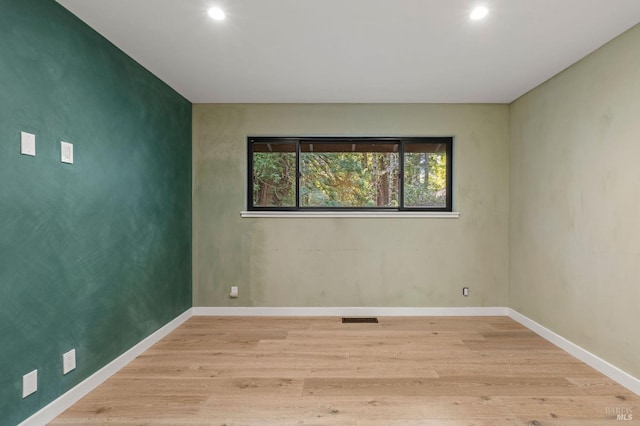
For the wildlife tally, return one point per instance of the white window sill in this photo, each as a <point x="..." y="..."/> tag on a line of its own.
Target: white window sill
<point x="351" y="214"/>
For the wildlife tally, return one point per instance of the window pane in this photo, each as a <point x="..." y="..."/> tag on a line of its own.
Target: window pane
<point x="349" y="175"/>
<point x="425" y="175"/>
<point x="292" y="173"/>
<point x="274" y="174"/>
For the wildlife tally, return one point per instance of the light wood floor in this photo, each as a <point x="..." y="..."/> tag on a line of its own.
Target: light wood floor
<point x="317" y="371"/>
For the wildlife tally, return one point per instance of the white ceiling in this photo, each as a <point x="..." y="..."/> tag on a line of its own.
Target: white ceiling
<point x="356" y="50"/>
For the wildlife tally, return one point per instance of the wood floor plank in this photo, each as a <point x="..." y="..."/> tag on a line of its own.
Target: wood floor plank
<point x="363" y="409"/>
<point x="375" y="370"/>
<point x="526" y="368"/>
<point x="470" y="385"/>
<point x="558" y="409"/>
<point x="444" y="371"/>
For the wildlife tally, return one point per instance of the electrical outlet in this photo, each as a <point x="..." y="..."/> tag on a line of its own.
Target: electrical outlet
<point x="69" y="361"/>
<point x="27" y="144"/>
<point x="465" y="291"/>
<point x="234" y="292"/>
<point x="66" y="152"/>
<point x="29" y="383"/>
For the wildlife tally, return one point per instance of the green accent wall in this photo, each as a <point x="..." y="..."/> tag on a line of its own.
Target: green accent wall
<point x="95" y="255"/>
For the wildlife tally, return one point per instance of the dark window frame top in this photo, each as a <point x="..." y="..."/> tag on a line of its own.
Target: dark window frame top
<point x="301" y="144"/>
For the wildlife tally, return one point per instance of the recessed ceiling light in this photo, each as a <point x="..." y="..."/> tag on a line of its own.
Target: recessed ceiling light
<point x="216" y="13"/>
<point x="479" y="13"/>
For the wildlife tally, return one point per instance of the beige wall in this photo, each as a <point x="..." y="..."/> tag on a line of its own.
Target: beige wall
<point x="569" y="259"/>
<point x="575" y="203"/>
<point x="351" y="262"/>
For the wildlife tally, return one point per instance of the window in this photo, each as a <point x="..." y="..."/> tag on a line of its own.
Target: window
<point x="323" y="173"/>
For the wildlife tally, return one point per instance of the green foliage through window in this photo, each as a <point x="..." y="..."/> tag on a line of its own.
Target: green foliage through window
<point x="350" y="173"/>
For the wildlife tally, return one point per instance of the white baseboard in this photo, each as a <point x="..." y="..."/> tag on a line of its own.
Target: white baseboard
<point x="59" y="405"/>
<point x="348" y="311"/>
<point x="625" y="379"/>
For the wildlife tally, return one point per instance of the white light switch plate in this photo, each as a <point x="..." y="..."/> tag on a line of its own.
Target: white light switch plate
<point x="69" y="361"/>
<point x="27" y="144"/>
<point x="66" y="152"/>
<point x="29" y="383"/>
